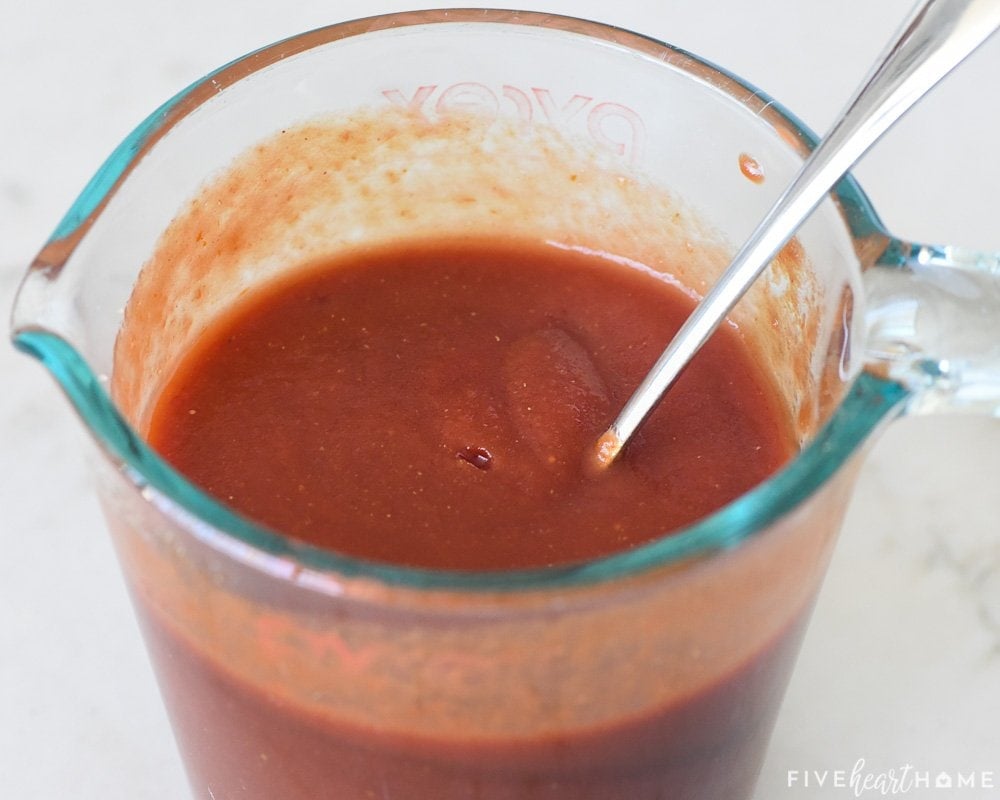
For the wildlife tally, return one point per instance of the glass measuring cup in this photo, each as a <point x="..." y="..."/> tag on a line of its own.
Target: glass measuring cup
<point x="632" y="590"/>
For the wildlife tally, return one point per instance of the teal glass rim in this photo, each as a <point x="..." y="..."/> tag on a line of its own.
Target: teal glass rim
<point x="870" y="401"/>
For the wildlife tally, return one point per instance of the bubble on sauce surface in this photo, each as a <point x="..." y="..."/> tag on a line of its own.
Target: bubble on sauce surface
<point x="479" y="457"/>
<point x="556" y="398"/>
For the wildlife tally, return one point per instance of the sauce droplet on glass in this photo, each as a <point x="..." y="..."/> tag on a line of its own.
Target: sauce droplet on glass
<point x="751" y="168"/>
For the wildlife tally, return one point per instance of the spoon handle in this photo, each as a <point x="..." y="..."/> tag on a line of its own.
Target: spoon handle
<point x="936" y="37"/>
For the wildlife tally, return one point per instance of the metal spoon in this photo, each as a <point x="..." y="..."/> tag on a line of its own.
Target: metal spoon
<point x="935" y="38"/>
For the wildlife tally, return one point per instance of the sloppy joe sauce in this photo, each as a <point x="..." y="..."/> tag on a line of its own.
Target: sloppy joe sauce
<point x="241" y="743"/>
<point x="432" y="404"/>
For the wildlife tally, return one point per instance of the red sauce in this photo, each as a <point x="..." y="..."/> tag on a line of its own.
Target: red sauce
<point x="244" y="745"/>
<point x="432" y="405"/>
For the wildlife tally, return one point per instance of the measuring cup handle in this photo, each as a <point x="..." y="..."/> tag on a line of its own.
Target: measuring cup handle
<point x="933" y="325"/>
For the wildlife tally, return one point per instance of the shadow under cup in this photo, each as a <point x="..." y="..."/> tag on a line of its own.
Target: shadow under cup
<point x="294" y="673"/>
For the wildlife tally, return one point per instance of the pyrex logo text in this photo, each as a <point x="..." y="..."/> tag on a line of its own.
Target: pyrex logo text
<point x="611" y="125"/>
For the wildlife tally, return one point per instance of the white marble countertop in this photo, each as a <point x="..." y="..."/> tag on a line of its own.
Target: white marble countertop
<point x="902" y="662"/>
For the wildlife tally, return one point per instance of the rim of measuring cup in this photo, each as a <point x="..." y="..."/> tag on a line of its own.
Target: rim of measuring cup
<point x="868" y="402"/>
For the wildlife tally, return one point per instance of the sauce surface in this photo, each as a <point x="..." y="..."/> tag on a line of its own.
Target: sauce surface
<point x="431" y="405"/>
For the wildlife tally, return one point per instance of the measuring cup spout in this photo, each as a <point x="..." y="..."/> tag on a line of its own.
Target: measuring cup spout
<point x="52" y="321"/>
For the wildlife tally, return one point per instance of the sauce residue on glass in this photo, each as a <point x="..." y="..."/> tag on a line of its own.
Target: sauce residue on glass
<point x="751" y="168"/>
